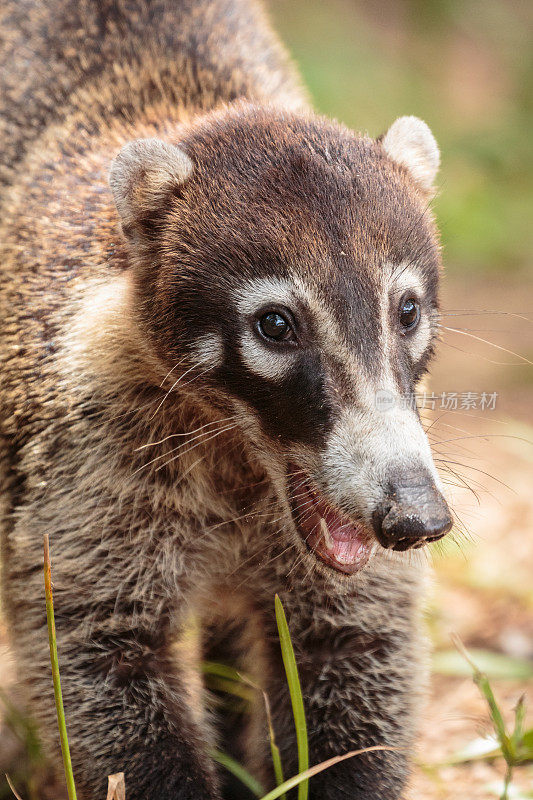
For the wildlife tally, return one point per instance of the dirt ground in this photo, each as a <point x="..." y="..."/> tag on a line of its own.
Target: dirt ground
<point x="484" y="593"/>
<point x="483" y="587"/>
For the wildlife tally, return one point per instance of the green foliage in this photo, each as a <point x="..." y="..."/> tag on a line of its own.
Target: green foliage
<point x="494" y="665"/>
<point x="225" y="678"/>
<point x="301" y="780"/>
<point x="238" y="771"/>
<point x="23" y="728"/>
<point x="291" y="670"/>
<point x="32" y="759"/>
<point x="222" y="678"/>
<point x="516" y="746"/>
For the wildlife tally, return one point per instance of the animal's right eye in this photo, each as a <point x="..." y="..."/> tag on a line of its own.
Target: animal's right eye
<point x="275" y="326"/>
<point x="409" y="313"/>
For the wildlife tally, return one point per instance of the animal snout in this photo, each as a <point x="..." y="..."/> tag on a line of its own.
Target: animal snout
<point x="412" y="513"/>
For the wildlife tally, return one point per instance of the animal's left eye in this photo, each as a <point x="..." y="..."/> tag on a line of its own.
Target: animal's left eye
<point x="274" y="326"/>
<point x="409" y="313"/>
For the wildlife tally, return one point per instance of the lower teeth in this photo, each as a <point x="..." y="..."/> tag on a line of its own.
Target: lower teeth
<point x="324" y="530"/>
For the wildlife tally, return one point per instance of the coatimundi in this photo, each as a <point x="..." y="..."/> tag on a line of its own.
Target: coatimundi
<point x="207" y="294"/>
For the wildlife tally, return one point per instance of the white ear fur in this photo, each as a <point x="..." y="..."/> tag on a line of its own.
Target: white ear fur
<point x="141" y="174"/>
<point x="410" y="143"/>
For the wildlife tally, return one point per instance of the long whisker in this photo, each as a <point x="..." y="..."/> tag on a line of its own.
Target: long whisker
<point x="476" y="469"/>
<point x="171" y="389"/>
<point x="169" y="373"/>
<point x="478" y="355"/>
<point x="205" y="437"/>
<point x="486" y="436"/>
<point x="203" y="441"/>
<point x="486" y="341"/>
<point x="185" y="433"/>
<point x="475" y="312"/>
<point x="462" y="481"/>
<point x="179" y="447"/>
<point x="176" y="382"/>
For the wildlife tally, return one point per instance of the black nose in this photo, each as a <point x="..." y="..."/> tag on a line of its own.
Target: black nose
<point x="413" y="512"/>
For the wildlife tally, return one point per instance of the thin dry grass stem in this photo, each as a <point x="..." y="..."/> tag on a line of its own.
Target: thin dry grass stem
<point x="10" y="784"/>
<point x="303" y="776"/>
<point x="274" y="749"/>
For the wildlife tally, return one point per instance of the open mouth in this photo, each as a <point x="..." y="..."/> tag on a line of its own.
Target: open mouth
<point x="333" y="537"/>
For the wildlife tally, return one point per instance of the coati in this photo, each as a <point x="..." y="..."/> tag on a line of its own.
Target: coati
<point x="205" y="291"/>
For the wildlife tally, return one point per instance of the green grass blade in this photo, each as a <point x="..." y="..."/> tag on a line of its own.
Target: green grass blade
<point x="223" y="671"/>
<point x="525" y="752"/>
<point x="276" y="761"/>
<point x="519" y="717"/>
<point x="230" y="687"/>
<point x="483" y="684"/>
<point x="225" y="678"/>
<point x="485" y="688"/>
<point x="238" y="771"/>
<point x="274" y="749"/>
<point x="71" y="788"/>
<point x="295" y="690"/>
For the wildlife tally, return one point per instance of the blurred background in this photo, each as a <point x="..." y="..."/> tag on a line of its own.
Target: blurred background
<point x="466" y="68"/>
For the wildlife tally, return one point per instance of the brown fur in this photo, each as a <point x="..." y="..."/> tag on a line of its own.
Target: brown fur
<point x="86" y="346"/>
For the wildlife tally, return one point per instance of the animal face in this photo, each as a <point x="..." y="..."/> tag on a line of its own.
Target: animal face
<point x="296" y="265"/>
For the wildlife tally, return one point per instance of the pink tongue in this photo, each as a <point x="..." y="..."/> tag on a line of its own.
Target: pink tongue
<point x="347" y="552"/>
<point x="333" y="537"/>
<point x="347" y="544"/>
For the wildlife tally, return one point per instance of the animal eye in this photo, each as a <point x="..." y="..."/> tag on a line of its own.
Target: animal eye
<point x="409" y="314"/>
<point x="274" y="326"/>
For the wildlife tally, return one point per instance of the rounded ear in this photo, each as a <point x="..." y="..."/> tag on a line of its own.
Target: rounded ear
<point x="410" y="143"/>
<point x="141" y="175"/>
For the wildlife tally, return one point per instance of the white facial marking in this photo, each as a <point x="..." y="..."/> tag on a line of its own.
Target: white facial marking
<point x="264" y="364"/>
<point x="262" y="291"/>
<point x="102" y="314"/>
<point x="383" y="434"/>
<point x="260" y="357"/>
<point x="209" y="350"/>
<point x="366" y="446"/>
<point x="398" y="279"/>
<point x="102" y="336"/>
<point x="406" y="278"/>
